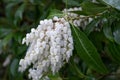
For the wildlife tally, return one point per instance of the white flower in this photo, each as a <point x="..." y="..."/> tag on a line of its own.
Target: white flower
<point x="76" y="19"/>
<point x="50" y="45"/>
<point x="69" y="12"/>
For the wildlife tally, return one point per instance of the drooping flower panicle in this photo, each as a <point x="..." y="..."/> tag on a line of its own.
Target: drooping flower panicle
<point x="50" y="46"/>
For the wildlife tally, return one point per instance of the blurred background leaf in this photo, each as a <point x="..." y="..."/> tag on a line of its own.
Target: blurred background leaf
<point x="101" y="35"/>
<point x="113" y="3"/>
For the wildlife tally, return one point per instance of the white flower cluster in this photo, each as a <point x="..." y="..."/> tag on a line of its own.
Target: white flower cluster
<point x="70" y="13"/>
<point x="77" y="20"/>
<point x="82" y="21"/>
<point x="51" y="44"/>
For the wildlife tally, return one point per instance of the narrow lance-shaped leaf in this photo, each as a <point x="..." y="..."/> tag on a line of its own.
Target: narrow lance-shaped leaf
<point x="14" y="66"/>
<point x="80" y="74"/>
<point x="114" y="52"/>
<point x="107" y="29"/>
<point x="55" y="13"/>
<point x="7" y="39"/>
<point x="19" y="13"/>
<point x="87" y="51"/>
<point x="92" y="8"/>
<point x="116" y="32"/>
<point x="71" y="2"/>
<point x="91" y="26"/>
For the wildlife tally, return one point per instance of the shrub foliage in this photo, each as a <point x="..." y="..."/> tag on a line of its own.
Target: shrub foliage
<point x="96" y="54"/>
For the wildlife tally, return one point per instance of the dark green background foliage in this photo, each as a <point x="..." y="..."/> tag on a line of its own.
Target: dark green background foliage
<point x="17" y="17"/>
<point x="97" y="48"/>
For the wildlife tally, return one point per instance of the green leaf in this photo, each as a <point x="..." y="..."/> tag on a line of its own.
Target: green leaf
<point x="76" y="68"/>
<point x="4" y="21"/>
<point x="113" y="3"/>
<point x="91" y="26"/>
<point x="97" y="39"/>
<point x="7" y="39"/>
<point x="107" y="29"/>
<point x="35" y="1"/>
<point x="87" y="51"/>
<point x="55" y="13"/>
<point x="19" y="13"/>
<point x="116" y="32"/>
<point x="4" y="31"/>
<point x="80" y="13"/>
<point x="92" y="8"/>
<point x="13" y="1"/>
<point x="9" y="12"/>
<point x="101" y="2"/>
<point x="114" y="52"/>
<point x="20" y="50"/>
<point x="54" y="77"/>
<point x="71" y="2"/>
<point x="14" y="67"/>
<point x="18" y="37"/>
<point x="90" y="78"/>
